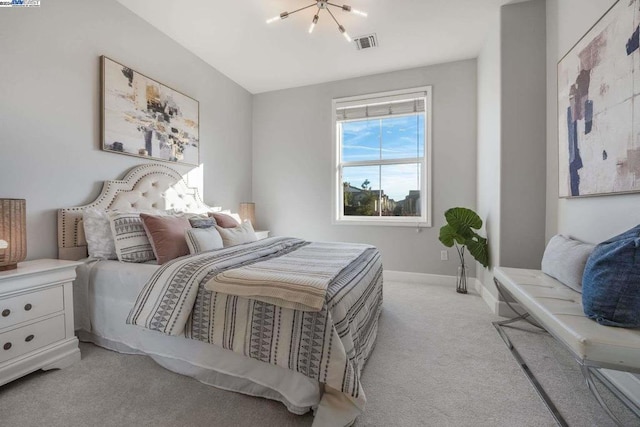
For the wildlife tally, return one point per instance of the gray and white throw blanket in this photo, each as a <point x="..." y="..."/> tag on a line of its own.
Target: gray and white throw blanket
<point x="330" y="345"/>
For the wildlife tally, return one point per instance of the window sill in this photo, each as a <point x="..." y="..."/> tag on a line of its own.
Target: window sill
<point x="378" y="223"/>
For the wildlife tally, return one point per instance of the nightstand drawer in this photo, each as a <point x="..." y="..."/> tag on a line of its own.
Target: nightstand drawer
<point x="29" y="306"/>
<point x="31" y="337"/>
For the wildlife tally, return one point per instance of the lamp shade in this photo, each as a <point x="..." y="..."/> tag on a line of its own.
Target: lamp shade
<point x="13" y="232"/>
<point x="248" y="212"/>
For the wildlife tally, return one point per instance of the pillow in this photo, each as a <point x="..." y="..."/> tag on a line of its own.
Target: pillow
<point x="611" y="283"/>
<point x="97" y="231"/>
<point x="166" y="235"/>
<point x="226" y="220"/>
<point x="564" y="258"/>
<point x="203" y="239"/>
<point x="202" y="221"/>
<point x="131" y="241"/>
<point x="235" y="236"/>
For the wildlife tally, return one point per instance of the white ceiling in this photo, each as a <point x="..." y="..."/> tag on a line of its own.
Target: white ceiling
<point x="233" y="36"/>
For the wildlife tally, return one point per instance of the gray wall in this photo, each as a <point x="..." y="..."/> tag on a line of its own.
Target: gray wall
<point x="592" y="219"/>
<point x="292" y="171"/>
<point x="50" y="113"/>
<point x="511" y="138"/>
<point x="523" y="129"/>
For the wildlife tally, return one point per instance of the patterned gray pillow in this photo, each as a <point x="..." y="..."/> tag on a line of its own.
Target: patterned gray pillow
<point x="202" y="222"/>
<point x="131" y="241"/>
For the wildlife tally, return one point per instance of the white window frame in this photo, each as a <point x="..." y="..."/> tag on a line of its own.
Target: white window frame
<point x="337" y="214"/>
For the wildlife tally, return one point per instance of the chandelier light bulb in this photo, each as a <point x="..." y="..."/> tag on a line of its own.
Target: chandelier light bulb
<point x="344" y="33"/>
<point x="313" y="24"/>
<point x="275" y="18"/>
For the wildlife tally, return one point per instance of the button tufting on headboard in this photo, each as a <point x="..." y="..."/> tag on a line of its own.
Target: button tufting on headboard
<point x="146" y="186"/>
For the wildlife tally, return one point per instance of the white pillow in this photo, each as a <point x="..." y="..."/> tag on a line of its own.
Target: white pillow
<point x="131" y="241"/>
<point x="236" y="236"/>
<point x="565" y="258"/>
<point x="203" y="239"/>
<point x="97" y="231"/>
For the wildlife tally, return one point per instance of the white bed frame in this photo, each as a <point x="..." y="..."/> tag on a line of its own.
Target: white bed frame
<point x="148" y="186"/>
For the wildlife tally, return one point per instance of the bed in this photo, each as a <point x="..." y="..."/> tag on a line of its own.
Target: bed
<point x="308" y="359"/>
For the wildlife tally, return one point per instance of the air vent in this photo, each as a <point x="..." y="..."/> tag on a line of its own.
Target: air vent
<point x="366" y="42"/>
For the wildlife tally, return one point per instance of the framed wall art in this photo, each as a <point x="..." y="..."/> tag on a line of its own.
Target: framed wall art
<point x="142" y="117"/>
<point x="599" y="108"/>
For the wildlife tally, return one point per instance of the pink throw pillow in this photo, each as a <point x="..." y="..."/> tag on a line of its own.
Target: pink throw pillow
<point x="166" y="234"/>
<point x="224" y="220"/>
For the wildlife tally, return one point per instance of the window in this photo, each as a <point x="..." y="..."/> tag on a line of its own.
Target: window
<point x="383" y="158"/>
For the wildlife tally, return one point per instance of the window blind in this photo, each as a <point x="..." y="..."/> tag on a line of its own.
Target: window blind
<point x="371" y="108"/>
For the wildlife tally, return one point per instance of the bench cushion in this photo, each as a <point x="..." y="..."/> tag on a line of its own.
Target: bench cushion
<point x="559" y="309"/>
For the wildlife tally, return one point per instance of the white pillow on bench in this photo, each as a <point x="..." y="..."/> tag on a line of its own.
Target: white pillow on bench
<point x="565" y="258"/>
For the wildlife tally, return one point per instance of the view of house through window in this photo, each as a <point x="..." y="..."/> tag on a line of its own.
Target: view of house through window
<point x="381" y="144"/>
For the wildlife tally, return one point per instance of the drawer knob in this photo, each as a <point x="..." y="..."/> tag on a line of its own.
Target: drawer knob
<point x="28" y="307"/>
<point x="7" y="346"/>
<point x="6" y="312"/>
<point x="29" y="338"/>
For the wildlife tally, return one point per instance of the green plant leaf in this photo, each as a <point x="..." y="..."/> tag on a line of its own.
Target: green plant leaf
<point x="463" y="220"/>
<point x="447" y="235"/>
<point x="479" y="249"/>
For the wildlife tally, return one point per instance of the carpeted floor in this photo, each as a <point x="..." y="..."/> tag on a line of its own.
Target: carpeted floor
<point x="438" y="362"/>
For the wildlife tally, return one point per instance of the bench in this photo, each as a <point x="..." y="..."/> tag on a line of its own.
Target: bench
<point x="557" y="308"/>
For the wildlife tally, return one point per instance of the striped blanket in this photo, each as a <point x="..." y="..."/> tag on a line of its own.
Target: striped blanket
<point x="330" y="345"/>
<point x="281" y="281"/>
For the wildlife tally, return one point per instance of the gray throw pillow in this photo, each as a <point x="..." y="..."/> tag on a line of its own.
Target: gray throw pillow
<point x="564" y="259"/>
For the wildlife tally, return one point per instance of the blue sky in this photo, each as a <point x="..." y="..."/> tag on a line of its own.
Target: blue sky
<point x="392" y="138"/>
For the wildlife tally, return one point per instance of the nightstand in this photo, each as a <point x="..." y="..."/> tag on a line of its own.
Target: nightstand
<point x="262" y="234"/>
<point x="36" y="318"/>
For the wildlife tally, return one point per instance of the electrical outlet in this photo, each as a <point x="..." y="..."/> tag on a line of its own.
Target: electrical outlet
<point x="444" y="256"/>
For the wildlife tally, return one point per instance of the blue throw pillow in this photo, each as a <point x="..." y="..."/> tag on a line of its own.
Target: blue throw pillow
<point x="611" y="281"/>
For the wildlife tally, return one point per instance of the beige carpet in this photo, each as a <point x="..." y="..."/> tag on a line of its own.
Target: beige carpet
<point x="438" y="362"/>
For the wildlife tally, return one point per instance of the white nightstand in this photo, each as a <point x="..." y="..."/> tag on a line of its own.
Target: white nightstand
<point x="262" y="234"/>
<point x="36" y="318"/>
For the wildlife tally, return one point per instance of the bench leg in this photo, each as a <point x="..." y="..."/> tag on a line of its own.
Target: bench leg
<point x="525" y="368"/>
<point x="586" y="373"/>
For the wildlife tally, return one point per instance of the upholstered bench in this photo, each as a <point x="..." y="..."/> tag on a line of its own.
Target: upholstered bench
<point x="558" y="309"/>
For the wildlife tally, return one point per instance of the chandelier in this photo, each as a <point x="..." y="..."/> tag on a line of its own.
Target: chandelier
<point x="321" y="5"/>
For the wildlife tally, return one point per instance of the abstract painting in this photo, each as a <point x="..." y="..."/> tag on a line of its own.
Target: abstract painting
<point x="141" y="117"/>
<point x="599" y="108"/>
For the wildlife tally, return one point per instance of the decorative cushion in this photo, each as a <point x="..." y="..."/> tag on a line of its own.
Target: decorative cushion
<point x="203" y="239"/>
<point x="131" y="241"/>
<point x="564" y="259"/>
<point x="166" y="235"/>
<point x="611" y="283"/>
<point x="225" y="220"/>
<point x="202" y="221"/>
<point x="97" y="231"/>
<point x="235" y="236"/>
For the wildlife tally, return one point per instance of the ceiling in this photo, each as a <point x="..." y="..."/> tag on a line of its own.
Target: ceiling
<point x="233" y="36"/>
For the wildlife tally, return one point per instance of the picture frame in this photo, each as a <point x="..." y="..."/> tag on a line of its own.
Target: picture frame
<point x="598" y="119"/>
<point x="144" y="118"/>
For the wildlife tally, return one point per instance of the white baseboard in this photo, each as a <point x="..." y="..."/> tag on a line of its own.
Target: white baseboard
<point x="495" y="305"/>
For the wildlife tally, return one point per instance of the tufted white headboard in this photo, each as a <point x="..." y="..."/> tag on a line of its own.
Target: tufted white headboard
<point x="148" y="186"/>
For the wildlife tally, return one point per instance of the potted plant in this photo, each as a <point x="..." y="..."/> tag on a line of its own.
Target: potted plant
<point x="460" y="232"/>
